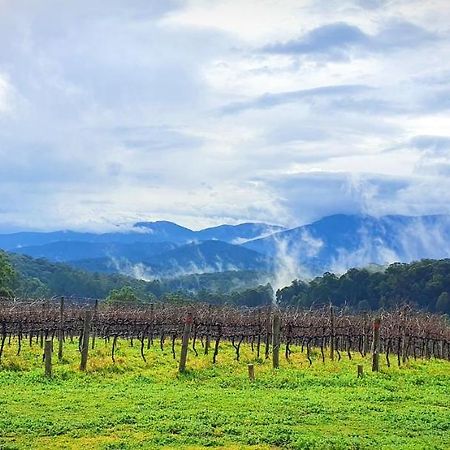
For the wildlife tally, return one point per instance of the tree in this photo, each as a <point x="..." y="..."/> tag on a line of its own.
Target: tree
<point x="363" y="306"/>
<point x="176" y="298"/>
<point x="123" y="296"/>
<point x="32" y="288"/>
<point x="261" y="295"/>
<point x="443" y="303"/>
<point x="7" y="276"/>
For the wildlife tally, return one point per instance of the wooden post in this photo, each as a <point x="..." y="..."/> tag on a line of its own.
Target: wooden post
<point x="332" y="333"/>
<point x="208" y="331"/>
<point x="85" y="343"/>
<point x="93" y="327"/>
<point x="268" y="327"/>
<point x="150" y="333"/>
<point x="48" y="357"/>
<point x="360" y="370"/>
<point x="44" y="317"/>
<point x="276" y="327"/>
<point x="405" y="341"/>
<point x="365" y="346"/>
<point x="251" y="372"/>
<point x="61" y="329"/>
<point x="376" y="345"/>
<point x="185" y="343"/>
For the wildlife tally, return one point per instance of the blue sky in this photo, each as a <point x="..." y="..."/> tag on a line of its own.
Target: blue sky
<point x="205" y="112"/>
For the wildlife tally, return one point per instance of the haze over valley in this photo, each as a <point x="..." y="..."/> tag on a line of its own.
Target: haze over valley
<point x="162" y="249"/>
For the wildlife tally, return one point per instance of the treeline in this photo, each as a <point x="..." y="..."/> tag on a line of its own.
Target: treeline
<point x="23" y="276"/>
<point x="424" y="284"/>
<point x="38" y="278"/>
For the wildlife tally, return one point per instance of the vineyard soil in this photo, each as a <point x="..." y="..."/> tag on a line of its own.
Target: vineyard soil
<point x="132" y="404"/>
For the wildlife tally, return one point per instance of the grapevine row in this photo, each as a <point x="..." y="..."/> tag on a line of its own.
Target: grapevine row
<point x="403" y="334"/>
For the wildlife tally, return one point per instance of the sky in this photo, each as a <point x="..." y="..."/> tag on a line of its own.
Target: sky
<point x="221" y="111"/>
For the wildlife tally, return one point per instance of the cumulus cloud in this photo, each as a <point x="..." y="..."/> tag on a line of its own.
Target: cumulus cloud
<point x="114" y="112"/>
<point x="339" y="40"/>
<point x="434" y="145"/>
<point x="269" y="100"/>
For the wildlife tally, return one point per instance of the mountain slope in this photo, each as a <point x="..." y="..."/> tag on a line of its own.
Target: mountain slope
<point x="146" y="232"/>
<point x="68" y="251"/>
<point x="339" y="242"/>
<point x="163" y="230"/>
<point x="156" y="233"/>
<point x="40" y="278"/>
<point x="201" y="257"/>
<point x="236" y="234"/>
<point x="334" y="243"/>
<point x="208" y="256"/>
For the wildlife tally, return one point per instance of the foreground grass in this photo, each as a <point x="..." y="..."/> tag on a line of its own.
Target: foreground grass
<point x="132" y="404"/>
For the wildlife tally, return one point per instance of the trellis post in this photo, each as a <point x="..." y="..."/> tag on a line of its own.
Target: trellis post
<point x="376" y="345"/>
<point x="276" y="328"/>
<point x="332" y="332"/>
<point x="85" y="343"/>
<point x="48" y="357"/>
<point x="185" y="343"/>
<point x="61" y="329"/>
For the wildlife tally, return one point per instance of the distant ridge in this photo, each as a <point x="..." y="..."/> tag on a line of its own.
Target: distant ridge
<point x="334" y="243"/>
<point x="148" y="232"/>
<point x="340" y="241"/>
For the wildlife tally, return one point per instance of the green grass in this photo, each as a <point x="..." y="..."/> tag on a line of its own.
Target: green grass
<point x="140" y="405"/>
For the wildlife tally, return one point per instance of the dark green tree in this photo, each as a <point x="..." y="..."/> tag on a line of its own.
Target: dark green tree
<point x="124" y="296"/>
<point x="7" y="276"/>
<point x="443" y="303"/>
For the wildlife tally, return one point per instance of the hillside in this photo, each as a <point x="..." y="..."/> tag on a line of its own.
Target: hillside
<point x="142" y="232"/>
<point x="194" y="258"/>
<point x="208" y="256"/>
<point x="164" y="249"/>
<point x="237" y="234"/>
<point x="337" y="243"/>
<point x="423" y="284"/>
<point x="68" y="251"/>
<point x="40" y="278"/>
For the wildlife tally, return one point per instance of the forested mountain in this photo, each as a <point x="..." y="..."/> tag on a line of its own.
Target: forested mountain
<point x="164" y="249"/>
<point x="424" y="284"/>
<point x="159" y="249"/>
<point x="164" y="231"/>
<point x="40" y="278"/>
<point x="337" y="243"/>
<point x="238" y="234"/>
<point x="67" y="251"/>
<point x="201" y="257"/>
<point x="147" y="232"/>
<point x="208" y="256"/>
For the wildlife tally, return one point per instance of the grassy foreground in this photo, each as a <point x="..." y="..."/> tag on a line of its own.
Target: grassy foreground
<point x="140" y="405"/>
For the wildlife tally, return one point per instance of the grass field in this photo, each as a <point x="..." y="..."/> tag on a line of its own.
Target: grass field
<point x="140" y="405"/>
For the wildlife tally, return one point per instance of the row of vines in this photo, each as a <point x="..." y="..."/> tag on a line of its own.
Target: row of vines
<point x="401" y="334"/>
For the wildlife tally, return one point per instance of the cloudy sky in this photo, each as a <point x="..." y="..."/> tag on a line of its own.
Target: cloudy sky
<point x="212" y="111"/>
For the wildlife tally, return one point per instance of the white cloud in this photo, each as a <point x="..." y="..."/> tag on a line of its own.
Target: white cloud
<point x="112" y="112"/>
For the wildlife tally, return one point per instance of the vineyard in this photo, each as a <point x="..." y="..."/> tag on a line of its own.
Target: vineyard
<point x="400" y="334"/>
<point x="106" y="377"/>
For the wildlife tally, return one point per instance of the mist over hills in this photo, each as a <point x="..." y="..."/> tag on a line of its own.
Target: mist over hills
<point x="192" y="258"/>
<point x="143" y="232"/>
<point x="165" y="249"/>
<point x="41" y="278"/>
<point x="339" y="242"/>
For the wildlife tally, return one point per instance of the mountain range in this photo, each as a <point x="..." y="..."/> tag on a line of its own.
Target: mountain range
<point x="165" y="249"/>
